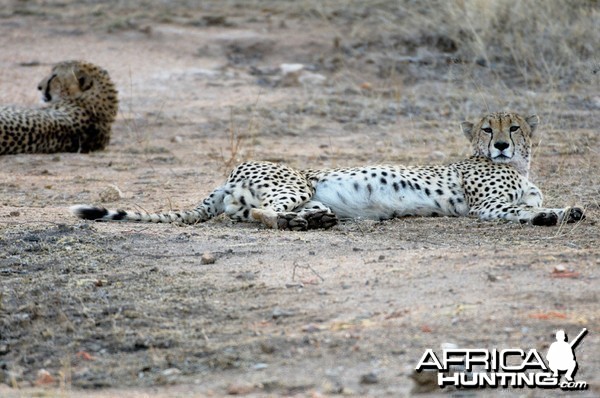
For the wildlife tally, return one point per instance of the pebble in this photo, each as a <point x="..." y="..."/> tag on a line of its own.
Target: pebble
<point x="111" y="193"/>
<point x="424" y="382"/>
<point x="369" y="378"/>
<point x="560" y="268"/>
<point x="239" y="389"/>
<point x="267" y="347"/>
<point x="311" y="79"/>
<point x="43" y="378"/>
<point x="311" y="328"/>
<point x="208" y="258"/>
<point x="260" y="366"/>
<point x="279" y="313"/>
<point x="170" y="372"/>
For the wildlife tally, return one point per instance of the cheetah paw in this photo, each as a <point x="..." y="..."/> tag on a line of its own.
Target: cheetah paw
<point x="321" y="220"/>
<point x="291" y="221"/>
<point x="545" y="219"/>
<point x="575" y="214"/>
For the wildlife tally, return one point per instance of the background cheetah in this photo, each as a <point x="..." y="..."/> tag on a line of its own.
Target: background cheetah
<point x="492" y="184"/>
<point x="82" y="105"/>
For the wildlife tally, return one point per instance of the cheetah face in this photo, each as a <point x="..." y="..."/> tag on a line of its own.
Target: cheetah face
<point x="503" y="138"/>
<point x="66" y="80"/>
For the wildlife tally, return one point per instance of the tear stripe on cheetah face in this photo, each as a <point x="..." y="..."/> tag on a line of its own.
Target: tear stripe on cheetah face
<point x="81" y="105"/>
<point x="504" y="138"/>
<point x="279" y="196"/>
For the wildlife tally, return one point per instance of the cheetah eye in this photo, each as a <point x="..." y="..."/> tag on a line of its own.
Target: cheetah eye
<point x="513" y="128"/>
<point x="487" y="130"/>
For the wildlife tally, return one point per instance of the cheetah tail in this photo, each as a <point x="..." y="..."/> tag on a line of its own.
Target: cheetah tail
<point x="102" y="214"/>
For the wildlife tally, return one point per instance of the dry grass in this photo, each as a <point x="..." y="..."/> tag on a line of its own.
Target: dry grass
<point x="548" y="42"/>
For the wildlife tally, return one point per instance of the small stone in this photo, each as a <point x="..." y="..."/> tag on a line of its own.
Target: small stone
<point x="246" y="276"/>
<point x="290" y="68"/>
<point x="14" y="213"/>
<point x="260" y="366"/>
<point x="43" y="378"/>
<point x="208" y="258"/>
<point x="111" y="193"/>
<point x="311" y="328"/>
<point x="279" y="313"/>
<point x="560" y="268"/>
<point x="424" y="382"/>
<point x="177" y="139"/>
<point x="369" y="378"/>
<point x="239" y="389"/>
<point x="22" y="317"/>
<point x="491" y="277"/>
<point x="290" y="74"/>
<point x="448" y="346"/>
<point x="170" y="372"/>
<point x="311" y="79"/>
<point x="267" y="347"/>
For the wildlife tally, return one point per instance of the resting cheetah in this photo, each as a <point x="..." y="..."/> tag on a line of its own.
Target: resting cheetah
<point x="82" y="105"/>
<point x="492" y="184"/>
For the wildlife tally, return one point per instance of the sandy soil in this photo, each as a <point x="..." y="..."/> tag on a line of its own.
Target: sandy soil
<point x="111" y="309"/>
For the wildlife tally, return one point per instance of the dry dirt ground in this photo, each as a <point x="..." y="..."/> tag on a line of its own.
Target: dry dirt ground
<point x="131" y="310"/>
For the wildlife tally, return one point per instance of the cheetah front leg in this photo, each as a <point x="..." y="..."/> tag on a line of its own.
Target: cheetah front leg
<point x="499" y="209"/>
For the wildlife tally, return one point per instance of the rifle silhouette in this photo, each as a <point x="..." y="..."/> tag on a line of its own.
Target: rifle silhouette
<point x="576" y="340"/>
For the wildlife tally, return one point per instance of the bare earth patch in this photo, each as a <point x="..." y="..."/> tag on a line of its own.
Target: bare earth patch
<point x="131" y="310"/>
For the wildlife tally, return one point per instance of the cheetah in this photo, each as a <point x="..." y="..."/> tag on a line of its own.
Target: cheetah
<point x="491" y="184"/>
<point x="81" y="106"/>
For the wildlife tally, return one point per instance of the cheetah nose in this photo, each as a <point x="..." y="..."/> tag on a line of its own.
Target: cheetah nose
<point x="501" y="145"/>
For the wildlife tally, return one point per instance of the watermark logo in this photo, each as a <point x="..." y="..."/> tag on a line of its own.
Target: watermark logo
<point x="514" y="367"/>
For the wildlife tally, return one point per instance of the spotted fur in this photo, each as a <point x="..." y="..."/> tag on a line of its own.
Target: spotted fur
<point x="81" y="106"/>
<point x="491" y="185"/>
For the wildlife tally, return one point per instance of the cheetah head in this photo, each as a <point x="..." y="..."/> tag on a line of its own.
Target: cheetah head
<point x="503" y="138"/>
<point x="67" y="80"/>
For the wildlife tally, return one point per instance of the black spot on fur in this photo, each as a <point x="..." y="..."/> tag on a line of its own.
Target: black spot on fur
<point x="121" y="214"/>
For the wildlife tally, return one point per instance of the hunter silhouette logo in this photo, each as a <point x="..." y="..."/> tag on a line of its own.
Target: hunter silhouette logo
<point x="561" y="355"/>
<point x="513" y="367"/>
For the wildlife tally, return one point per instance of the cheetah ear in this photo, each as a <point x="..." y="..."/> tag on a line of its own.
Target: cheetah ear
<point x="85" y="82"/>
<point x="532" y="121"/>
<point x="467" y="129"/>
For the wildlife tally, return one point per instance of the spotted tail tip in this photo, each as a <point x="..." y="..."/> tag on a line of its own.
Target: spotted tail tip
<point x="89" y="212"/>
